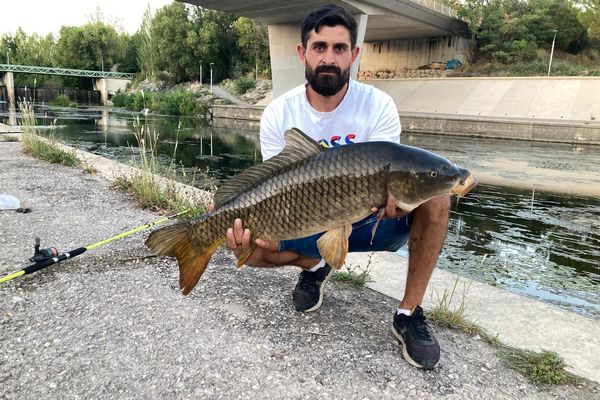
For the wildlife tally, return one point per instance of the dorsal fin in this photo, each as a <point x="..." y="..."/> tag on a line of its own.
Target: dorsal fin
<point x="298" y="146"/>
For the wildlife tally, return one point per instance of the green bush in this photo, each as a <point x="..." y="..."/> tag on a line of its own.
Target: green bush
<point x="119" y="99"/>
<point x="243" y="84"/>
<point x="61" y="101"/>
<point x="178" y="102"/>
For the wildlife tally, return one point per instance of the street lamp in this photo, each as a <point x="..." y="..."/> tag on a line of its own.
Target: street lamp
<point x="211" y="65"/>
<point x="200" y="72"/>
<point x="552" y="51"/>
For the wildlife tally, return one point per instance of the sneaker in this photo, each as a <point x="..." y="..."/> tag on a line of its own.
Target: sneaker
<point x="308" y="293"/>
<point x="419" y="346"/>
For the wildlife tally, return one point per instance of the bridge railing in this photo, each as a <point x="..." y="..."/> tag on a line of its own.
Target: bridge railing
<point x="439" y="7"/>
<point x="64" y="71"/>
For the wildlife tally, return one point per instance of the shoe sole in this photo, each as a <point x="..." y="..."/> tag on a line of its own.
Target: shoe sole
<point x="321" y="289"/>
<point x="405" y="354"/>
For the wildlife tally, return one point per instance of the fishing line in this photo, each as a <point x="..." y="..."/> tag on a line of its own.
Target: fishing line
<point x="45" y="262"/>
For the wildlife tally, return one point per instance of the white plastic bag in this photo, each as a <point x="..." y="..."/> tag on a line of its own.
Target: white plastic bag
<point x="9" y="202"/>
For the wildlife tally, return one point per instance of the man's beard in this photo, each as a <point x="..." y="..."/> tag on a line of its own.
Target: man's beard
<point x="327" y="84"/>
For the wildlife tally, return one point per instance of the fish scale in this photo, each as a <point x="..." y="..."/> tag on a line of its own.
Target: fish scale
<point x="307" y="189"/>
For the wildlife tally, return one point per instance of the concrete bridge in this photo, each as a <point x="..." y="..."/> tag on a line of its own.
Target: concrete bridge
<point x="392" y="34"/>
<point x="104" y="81"/>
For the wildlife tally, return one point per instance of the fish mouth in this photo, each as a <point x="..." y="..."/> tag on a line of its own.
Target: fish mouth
<point x="463" y="187"/>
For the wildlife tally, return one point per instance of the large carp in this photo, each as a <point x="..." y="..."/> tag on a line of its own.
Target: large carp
<point x="307" y="189"/>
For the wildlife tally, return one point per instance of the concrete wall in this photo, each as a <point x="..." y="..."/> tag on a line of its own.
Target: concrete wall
<point x="399" y="55"/>
<point x="113" y="85"/>
<point x="543" y="109"/>
<point x="560" y="98"/>
<point x="286" y="69"/>
<point x="9" y="81"/>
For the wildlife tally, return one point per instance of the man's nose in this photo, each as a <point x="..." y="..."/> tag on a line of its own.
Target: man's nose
<point x="329" y="57"/>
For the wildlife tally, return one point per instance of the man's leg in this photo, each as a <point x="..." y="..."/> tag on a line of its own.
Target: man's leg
<point x="427" y="235"/>
<point x="390" y="235"/>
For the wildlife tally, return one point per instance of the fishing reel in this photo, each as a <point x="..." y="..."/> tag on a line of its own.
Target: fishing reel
<point x="43" y="254"/>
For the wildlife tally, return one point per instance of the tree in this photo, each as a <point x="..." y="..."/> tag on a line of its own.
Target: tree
<point x="253" y="42"/>
<point x="512" y="30"/>
<point x="169" y="31"/>
<point x="590" y="18"/>
<point x="146" y="48"/>
<point x="212" y="40"/>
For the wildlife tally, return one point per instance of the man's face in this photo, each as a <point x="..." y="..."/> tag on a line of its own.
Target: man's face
<point x="327" y="59"/>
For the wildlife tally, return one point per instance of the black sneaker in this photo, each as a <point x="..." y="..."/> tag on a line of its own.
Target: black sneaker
<point x="419" y="347"/>
<point x="308" y="293"/>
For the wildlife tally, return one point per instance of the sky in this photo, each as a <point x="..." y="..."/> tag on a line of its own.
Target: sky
<point x="47" y="16"/>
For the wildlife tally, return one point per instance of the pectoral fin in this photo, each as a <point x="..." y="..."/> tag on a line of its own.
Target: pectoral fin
<point x="333" y="246"/>
<point x="246" y="255"/>
<point x="380" y="215"/>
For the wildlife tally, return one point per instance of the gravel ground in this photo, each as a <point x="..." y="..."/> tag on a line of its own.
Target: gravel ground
<point x="111" y="323"/>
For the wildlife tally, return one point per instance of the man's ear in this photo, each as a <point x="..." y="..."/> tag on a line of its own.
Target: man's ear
<point x="355" y="52"/>
<point x="301" y="53"/>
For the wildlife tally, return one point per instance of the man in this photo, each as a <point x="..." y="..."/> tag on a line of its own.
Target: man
<point x="336" y="110"/>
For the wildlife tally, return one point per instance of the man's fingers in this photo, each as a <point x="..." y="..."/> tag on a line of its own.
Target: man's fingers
<point x="231" y="239"/>
<point x="238" y="231"/>
<point x="246" y="238"/>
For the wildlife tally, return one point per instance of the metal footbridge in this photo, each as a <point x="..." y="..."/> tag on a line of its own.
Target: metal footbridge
<point x="31" y="69"/>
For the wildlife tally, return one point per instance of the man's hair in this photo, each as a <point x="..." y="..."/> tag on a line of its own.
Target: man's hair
<point x="329" y="15"/>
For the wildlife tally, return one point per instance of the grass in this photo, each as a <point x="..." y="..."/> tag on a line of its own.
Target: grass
<point x="355" y="276"/>
<point x="146" y="184"/>
<point x="36" y="146"/>
<point x="8" y="138"/>
<point x="455" y="318"/>
<point x="544" y="368"/>
<point x="541" y="368"/>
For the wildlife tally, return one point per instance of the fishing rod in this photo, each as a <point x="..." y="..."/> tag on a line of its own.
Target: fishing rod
<point x="50" y="256"/>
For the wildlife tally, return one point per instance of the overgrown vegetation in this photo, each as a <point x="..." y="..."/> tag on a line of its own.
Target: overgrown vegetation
<point x="8" y="138"/>
<point x="45" y="149"/>
<point x="243" y="84"/>
<point x="62" y="100"/>
<point x="514" y="38"/>
<point x="544" y="368"/>
<point x="147" y="186"/>
<point x="455" y="318"/>
<point x="176" y="102"/>
<point x="180" y="39"/>
<point x="355" y="275"/>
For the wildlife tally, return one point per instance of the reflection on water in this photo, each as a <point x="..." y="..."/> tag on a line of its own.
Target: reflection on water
<point x="545" y="247"/>
<point x="217" y="152"/>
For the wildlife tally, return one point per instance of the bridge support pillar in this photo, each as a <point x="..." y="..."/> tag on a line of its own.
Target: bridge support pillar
<point x="101" y="84"/>
<point x="286" y="69"/>
<point x="9" y="82"/>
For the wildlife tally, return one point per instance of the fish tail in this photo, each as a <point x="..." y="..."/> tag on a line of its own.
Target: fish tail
<point x="193" y="257"/>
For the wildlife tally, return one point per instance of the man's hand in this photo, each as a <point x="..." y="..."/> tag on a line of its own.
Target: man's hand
<point x="267" y="252"/>
<point x="390" y="210"/>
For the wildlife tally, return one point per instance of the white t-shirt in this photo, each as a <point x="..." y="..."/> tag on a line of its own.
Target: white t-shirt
<point x="365" y="114"/>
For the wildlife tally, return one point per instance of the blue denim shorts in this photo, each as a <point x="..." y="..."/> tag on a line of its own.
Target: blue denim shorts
<point x="391" y="234"/>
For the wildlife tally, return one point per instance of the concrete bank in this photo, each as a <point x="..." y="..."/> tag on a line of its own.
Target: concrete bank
<point x="543" y="130"/>
<point x="555" y="109"/>
<point x="9" y="129"/>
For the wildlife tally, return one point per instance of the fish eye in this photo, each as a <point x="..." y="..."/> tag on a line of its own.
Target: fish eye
<point x="433" y="174"/>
